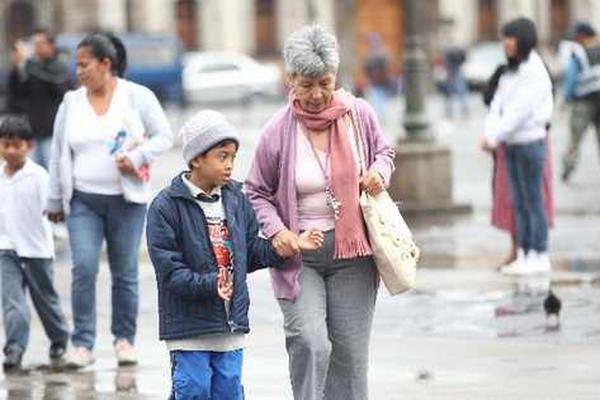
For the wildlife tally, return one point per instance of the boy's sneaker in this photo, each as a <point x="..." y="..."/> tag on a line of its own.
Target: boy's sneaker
<point x="57" y="353"/>
<point x="79" y="357"/>
<point x="125" y="353"/>
<point x="12" y="359"/>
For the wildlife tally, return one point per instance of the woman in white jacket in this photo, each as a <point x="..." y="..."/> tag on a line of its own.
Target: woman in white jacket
<point x="106" y="135"/>
<point x="519" y="116"/>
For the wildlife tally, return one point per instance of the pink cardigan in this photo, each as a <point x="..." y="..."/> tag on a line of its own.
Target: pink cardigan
<point x="271" y="183"/>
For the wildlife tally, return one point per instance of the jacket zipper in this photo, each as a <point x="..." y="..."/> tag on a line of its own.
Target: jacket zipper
<point x="228" y="322"/>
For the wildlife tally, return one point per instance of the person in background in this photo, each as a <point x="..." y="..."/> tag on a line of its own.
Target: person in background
<point x="519" y="115"/>
<point x="15" y="98"/>
<point x="503" y="214"/>
<point x="107" y="133"/>
<point x="582" y="90"/>
<point x="456" y="84"/>
<point x="380" y="87"/>
<point x="36" y="88"/>
<point x="26" y="248"/>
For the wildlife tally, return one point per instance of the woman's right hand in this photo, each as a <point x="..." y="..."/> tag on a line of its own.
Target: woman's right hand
<point x="56" y="217"/>
<point x="286" y="243"/>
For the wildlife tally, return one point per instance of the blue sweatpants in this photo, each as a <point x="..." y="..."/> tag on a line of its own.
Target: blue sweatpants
<point x="207" y="375"/>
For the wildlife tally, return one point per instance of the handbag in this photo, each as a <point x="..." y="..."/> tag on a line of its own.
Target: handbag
<point x="394" y="250"/>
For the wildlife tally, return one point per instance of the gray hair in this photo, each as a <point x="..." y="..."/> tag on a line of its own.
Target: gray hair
<point x="311" y="51"/>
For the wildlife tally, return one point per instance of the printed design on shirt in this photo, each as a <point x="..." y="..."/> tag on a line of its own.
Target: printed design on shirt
<point x="121" y="143"/>
<point x="221" y="242"/>
<point x="117" y="143"/>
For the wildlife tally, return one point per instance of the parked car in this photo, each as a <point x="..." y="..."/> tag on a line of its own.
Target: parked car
<point x="154" y="61"/>
<point x="482" y="61"/>
<point x="228" y="77"/>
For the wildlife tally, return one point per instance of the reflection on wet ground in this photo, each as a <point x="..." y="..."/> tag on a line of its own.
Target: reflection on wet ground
<point x="43" y="383"/>
<point x="510" y="311"/>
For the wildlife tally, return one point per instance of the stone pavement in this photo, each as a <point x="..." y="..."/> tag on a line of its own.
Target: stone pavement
<point x="463" y="334"/>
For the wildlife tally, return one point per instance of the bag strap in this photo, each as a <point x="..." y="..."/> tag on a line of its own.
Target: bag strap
<point x="358" y="139"/>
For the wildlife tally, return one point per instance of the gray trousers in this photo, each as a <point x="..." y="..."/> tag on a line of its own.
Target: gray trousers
<point x="583" y="114"/>
<point x="35" y="274"/>
<point x="328" y="327"/>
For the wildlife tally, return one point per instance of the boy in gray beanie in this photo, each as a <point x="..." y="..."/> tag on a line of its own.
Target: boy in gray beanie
<point x="203" y="239"/>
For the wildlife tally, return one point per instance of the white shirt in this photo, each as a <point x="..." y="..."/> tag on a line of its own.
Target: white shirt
<point x="24" y="227"/>
<point x="92" y="139"/>
<point x="522" y="105"/>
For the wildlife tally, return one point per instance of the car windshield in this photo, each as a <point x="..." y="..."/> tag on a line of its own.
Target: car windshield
<point x="218" y="67"/>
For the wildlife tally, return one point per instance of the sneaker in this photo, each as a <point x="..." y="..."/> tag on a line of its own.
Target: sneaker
<point x="57" y="353"/>
<point x="517" y="266"/>
<point x="539" y="262"/>
<point x="79" y="357"/>
<point x="533" y="263"/>
<point x="125" y="353"/>
<point x="12" y="359"/>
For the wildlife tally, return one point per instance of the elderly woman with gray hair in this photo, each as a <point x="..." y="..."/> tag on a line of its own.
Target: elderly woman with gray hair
<point x="306" y="175"/>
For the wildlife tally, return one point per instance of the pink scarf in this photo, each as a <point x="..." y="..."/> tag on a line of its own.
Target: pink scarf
<point x="350" y="232"/>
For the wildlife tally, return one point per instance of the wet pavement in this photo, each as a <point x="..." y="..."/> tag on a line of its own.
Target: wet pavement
<point x="466" y="332"/>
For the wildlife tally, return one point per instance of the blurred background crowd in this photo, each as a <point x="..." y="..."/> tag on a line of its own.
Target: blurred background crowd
<point x="226" y="51"/>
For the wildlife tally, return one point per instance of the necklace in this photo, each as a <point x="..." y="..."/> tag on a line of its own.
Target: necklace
<point x="330" y="198"/>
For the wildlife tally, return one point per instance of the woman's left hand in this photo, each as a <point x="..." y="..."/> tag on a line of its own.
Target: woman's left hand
<point x="372" y="183"/>
<point x="125" y="165"/>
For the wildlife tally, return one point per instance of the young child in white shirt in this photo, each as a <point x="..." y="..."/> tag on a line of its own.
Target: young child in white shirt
<point x="26" y="248"/>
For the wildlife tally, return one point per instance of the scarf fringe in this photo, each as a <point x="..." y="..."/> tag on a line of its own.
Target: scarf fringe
<point x="351" y="248"/>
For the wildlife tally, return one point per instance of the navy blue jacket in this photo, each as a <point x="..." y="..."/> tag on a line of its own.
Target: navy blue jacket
<point x="186" y="267"/>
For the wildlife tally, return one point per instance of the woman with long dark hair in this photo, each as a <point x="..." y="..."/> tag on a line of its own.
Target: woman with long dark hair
<point x="519" y="116"/>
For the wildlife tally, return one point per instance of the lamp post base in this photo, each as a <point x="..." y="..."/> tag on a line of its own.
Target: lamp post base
<point x="422" y="182"/>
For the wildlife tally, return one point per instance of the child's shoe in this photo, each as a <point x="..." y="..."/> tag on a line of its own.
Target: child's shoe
<point x="12" y="359"/>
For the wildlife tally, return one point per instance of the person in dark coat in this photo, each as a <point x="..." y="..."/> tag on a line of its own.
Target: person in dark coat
<point x="36" y="87"/>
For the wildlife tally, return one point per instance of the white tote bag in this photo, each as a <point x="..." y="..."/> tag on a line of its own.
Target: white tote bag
<point x="394" y="250"/>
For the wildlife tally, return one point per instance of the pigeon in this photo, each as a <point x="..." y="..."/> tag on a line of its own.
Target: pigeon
<point x="552" y="306"/>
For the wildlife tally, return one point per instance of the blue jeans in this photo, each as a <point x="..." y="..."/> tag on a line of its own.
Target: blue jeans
<point x="93" y="219"/>
<point x="525" y="165"/>
<point x="41" y="151"/>
<point x="35" y="274"/>
<point x="207" y="375"/>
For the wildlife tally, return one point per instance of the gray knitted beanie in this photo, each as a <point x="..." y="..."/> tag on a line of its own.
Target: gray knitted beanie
<point x="204" y="130"/>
